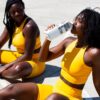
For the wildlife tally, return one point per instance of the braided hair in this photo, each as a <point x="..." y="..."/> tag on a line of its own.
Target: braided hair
<point x="8" y="21"/>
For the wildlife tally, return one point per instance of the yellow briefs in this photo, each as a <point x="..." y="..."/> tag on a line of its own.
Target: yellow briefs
<point x="61" y="88"/>
<point x="44" y="91"/>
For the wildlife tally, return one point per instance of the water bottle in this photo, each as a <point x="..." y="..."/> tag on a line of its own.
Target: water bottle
<point x="58" y="30"/>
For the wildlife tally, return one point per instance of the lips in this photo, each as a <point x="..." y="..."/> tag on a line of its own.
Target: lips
<point x="73" y="29"/>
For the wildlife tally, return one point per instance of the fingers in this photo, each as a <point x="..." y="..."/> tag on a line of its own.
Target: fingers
<point x="51" y="26"/>
<point x="1" y="69"/>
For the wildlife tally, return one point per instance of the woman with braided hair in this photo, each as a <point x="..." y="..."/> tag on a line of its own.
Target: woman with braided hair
<point x="23" y="33"/>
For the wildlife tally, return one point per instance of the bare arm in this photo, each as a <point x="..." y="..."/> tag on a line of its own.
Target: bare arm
<point x="4" y="37"/>
<point x="31" y="32"/>
<point x="96" y="71"/>
<point x="47" y="54"/>
<point x="93" y="59"/>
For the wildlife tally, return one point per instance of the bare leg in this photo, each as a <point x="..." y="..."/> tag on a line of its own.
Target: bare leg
<point x="17" y="71"/>
<point x="19" y="91"/>
<point x="56" y="96"/>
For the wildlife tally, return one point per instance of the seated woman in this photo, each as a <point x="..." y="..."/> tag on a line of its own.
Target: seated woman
<point x="81" y="56"/>
<point x="24" y="34"/>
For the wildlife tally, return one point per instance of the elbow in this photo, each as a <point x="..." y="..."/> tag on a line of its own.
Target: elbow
<point x="27" y="57"/>
<point x="42" y="59"/>
<point x="97" y="87"/>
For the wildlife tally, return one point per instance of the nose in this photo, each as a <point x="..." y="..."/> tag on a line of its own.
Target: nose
<point x="73" y="27"/>
<point x="75" y="23"/>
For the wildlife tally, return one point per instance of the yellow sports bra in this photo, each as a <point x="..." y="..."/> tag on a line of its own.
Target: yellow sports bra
<point x="19" y="41"/>
<point x="74" y="69"/>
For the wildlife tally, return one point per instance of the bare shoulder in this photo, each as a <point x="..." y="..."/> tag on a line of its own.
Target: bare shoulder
<point x="68" y="40"/>
<point x="63" y="44"/>
<point x="92" y="56"/>
<point x="31" y="28"/>
<point x="31" y="24"/>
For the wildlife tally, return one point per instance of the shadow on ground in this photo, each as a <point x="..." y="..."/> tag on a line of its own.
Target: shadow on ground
<point x="95" y="98"/>
<point x="50" y="71"/>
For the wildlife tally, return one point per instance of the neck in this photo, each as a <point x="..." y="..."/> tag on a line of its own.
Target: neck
<point x="80" y="42"/>
<point x="19" y="23"/>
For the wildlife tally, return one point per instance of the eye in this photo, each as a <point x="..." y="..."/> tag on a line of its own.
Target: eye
<point x="81" y="20"/>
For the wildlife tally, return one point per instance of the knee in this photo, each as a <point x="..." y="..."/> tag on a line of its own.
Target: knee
<point x="9" y="88"/>
<point x="56" y="96"/>
<point x="22" y="66"/>
<point x="7" y="92"/>
<point x="12" y="72"/>
<point x="19" y="68"/>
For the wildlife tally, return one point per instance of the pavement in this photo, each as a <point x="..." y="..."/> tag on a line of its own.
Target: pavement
<point x="46" y="12"/>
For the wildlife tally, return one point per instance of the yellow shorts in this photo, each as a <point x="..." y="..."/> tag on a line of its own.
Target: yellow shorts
<point x="44" y="91"/>
<point x="7" y="56"/>
<point x="66" y="90"/>
<point x="61" y="88"/>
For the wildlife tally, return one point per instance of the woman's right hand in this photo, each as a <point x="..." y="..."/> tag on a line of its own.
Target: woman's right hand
<point x="49" y="27"/>
<point x="4" y="67"/>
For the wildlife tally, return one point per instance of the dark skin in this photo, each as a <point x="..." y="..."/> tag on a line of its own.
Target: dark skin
<point x="19" y="68"/>
<point x="91" y="58"/>
<point x="56" y="96"/>
<point x="27" y="91"/>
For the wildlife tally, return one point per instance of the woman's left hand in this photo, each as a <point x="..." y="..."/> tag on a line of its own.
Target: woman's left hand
<point x="3" y="68"/>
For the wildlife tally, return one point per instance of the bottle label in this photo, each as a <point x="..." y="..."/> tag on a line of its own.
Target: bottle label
<point x="65" y="27"/>
<point x="62" y="29"/>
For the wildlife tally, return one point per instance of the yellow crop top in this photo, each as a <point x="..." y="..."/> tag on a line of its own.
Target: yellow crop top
<point x="74" y="69"/>
<point x="19" y="41"/>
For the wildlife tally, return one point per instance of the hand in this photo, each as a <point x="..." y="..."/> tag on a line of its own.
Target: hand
<point x="51" y="26"/>
<point x="1" y="70"/>
<point x="4" y="67"/>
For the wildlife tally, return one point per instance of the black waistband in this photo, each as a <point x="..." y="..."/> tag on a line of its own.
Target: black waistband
<point x="77" y="86"/>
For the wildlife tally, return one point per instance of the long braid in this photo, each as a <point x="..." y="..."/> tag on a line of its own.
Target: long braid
<point x="8" y="21"/>
<point x="10" y="26"/>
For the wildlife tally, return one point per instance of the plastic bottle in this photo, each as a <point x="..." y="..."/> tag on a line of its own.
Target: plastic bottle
<point x="58" y="30"/>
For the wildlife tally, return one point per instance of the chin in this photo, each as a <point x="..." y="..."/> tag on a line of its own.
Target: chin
<point x="72" y="32"/>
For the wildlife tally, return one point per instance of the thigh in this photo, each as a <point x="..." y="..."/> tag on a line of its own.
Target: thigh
<point x="20" y="91"/>
<point x="7" y="56"/>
